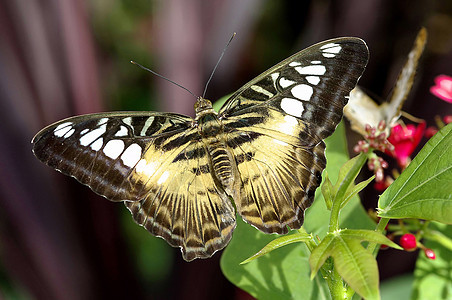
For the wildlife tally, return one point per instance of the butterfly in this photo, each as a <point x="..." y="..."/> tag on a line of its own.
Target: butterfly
<point x="362" y="109"/>
<point x="177" y="175"/>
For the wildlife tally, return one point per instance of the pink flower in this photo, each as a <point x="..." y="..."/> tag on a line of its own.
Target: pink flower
<point x="405" y="140"/>
<point x="442" y="88"/>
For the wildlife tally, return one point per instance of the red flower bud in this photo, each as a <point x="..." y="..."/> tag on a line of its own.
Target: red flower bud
<point x="429" y="253"/>
<point x="408" y="242"/>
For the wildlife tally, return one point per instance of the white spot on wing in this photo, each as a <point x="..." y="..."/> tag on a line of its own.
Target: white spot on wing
<point x="84" y="131"/>
<point x="141" y="166"/>
<point x="62" y="129"/>
<point x="292" y="107"/>
<point x="127" y="120"/>
<point x="315" y="62"/>
<point x="261" y="90"/>
<point x="146" y="126"/>
<point x="289" y="126"/>
<point x="97" y="144"/>
<point x="311" y="70"/>
<point x="294" y="64"/>
<point x="330" y="50"/>
<point x="69" y="133"/>
<point x="280" y="142"/>
<point x="113" y="148"/>
<point x="313" y="79"/>
<point x="163" y="178"/>
<point x="302" y="91"/>
<point x="274" y="76"/>
<point x="146" y="168"/>
<point x="335" y="49"/>
<point x="329" y="45"/>
<point x="102" y="121"/>
<point x="92" y="135"/>
<point x="122" y="131"/>
<point x="132" y="155"/>
<point x="283" y="82"/>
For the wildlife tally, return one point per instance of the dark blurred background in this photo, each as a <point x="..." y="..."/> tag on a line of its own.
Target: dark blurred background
<point x="58" y="58"/>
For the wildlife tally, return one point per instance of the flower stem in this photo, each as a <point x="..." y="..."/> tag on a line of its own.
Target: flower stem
<point x="372" y="247"/>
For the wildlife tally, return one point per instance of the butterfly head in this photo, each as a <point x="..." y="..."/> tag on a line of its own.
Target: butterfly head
<point x="203" y="105"/>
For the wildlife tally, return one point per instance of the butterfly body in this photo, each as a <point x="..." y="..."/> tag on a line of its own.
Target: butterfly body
<point x="211" y="130"/>
<point x="177" y="175"/>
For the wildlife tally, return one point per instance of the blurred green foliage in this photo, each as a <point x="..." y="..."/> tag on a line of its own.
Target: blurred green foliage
<point x="123" y="32"/>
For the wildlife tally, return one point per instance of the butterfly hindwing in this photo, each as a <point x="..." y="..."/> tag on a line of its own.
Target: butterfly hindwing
<point x="278" y="179"/>
<point x="185" y="206"/>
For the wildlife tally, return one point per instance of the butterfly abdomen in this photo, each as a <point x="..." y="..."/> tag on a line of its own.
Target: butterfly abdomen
<point x="221" y="164"/>
<point x="211" y="130"/>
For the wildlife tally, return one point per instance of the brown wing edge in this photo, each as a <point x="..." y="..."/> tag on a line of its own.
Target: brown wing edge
<point x="191" y="249"/>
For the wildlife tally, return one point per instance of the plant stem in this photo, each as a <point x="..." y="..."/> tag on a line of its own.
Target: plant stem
<point x="439" y="237"/>
<point x="372" y="247"/>
<point x="335" y="283"/>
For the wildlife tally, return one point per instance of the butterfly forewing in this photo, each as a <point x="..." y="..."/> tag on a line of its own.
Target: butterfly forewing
<point x="177" y="175"/>
<point x="312" y="85"/>
<point x="278" y="121"/>
<point x="102" y="150"/>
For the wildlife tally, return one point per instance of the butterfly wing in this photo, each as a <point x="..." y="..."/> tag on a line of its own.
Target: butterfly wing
<point x="392" y="108"/>
<point x="155" y="163"/>
<point x="276" y="125"/>
<point x="362" y="109"/>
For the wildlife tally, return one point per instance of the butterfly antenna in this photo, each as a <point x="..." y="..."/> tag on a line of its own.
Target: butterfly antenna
<point x="218" y="62"/>
<point x="161" y="76"/>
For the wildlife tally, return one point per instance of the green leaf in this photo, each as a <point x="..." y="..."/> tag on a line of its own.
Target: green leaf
<point x="345" y="182"/>
<point x="354" y="263"/>
<point x="433" y="278"/>
<point x="345" y="169"/>
<point x="219" y="103"/>
<point x="424" y="189"/>
<point x="355" y="189"/>
<point x="280" y="242"/>
<point x="327" y="191"/>
<point x="353" y="215"/>
<point x="321" y="253"/>
<point x="368" y="236"/>
<point x="281" y="274"/>
<point x="357" y="267"/>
